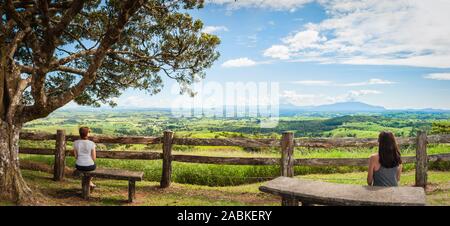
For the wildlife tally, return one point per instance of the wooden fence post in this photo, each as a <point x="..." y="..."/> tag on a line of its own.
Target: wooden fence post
<point x="287" y="151"/>
<point x="167" y="159"/>
<point x="287" y="163"/>
<point x="60" y="156"/>
<point x="421" y="159"/>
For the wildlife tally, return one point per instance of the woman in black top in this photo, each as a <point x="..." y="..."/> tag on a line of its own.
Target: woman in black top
<point x="385" y="166"/>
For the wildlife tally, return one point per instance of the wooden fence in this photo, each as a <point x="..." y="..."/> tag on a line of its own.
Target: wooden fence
<point x="286" y="144"/>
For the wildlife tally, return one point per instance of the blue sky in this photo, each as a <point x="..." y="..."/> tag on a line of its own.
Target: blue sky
<point x="389" y="53"/>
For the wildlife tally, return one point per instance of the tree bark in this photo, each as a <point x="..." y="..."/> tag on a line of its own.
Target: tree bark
<point x="12" y="185"/>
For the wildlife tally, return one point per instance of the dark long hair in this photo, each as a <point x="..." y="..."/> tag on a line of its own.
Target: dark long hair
<point x="84" y="131"/>
<point x="388" y="151"/>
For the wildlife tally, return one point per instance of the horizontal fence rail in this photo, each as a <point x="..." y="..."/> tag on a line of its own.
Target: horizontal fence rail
<point x="286" y="144"/>
<point x="149" y="155"/>
<point x="241" y="142"/>
<point x="96" y="139"/>
<point x="362" y="142"/>
<point x="142" y="155"/>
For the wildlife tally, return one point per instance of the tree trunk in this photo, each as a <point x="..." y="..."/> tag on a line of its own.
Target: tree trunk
<point x="12" y="185"/>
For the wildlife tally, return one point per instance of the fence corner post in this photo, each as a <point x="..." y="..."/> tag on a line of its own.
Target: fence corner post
<point x="421" y="159"/>
<point x="60" y="156"/>
<point x="287" y="163"/>
<point x="167" y="159"/>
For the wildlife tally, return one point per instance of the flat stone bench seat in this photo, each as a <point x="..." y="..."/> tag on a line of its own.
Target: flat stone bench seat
<point x="323" y="193"/>
<point x="115" y="174"/>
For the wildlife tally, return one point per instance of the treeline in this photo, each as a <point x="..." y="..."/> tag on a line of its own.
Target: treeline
<point x="322" y="127"/>
<point x="301" y="128"/>
<point x="440" y="128"/>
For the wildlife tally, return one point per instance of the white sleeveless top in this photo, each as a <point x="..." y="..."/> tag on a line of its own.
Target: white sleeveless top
<point x="84" y="149"/>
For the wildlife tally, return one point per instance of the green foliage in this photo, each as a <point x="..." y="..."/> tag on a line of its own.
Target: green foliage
<point x="440" y="127"/>
<point x="143" y="41"/>
<point x="154" y="122"/>
<point x="158" y="39"/>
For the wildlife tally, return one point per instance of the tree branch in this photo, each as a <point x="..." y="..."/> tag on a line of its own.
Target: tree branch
<point x="43" y="5"/>
<point x="111" y="37"/>
<point x="52" y="34"/>
<point x="25" y="69"/>
<point x="74" y="9"/>
<point x="16" y="41"/>
<point x="70" y="70"/>
<point x="72" y="57"/>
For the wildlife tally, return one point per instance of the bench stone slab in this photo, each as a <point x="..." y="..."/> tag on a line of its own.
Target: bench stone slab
<point x="318" y="192"/>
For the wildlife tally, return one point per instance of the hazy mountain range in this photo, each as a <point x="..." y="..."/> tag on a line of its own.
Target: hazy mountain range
<point x="344" y="107"/>
<point x="352" y="106"/>
<point x="336" y="107"/>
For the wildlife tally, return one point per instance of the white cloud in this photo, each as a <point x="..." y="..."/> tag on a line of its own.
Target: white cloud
<point x="214" y="29"/>
<point x="240" y="62"/>
<point x="304" y="40"/>
<point x="357" y="93"/>
<point x="278" y="52"/>
<point x="438" y="76"/>
<point x="373" y="81"/>
<point x="247" y="40"/>
<point x="290" y="5"/>
<point x="375" y="32"/>
<point x="300" y="99"/>
<point x="313" y="82"/>
<point x="353" y="95"/>
<point x="376" y="81"/>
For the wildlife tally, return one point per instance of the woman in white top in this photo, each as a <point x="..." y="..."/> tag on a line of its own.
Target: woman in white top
<point x="84" y="151"/>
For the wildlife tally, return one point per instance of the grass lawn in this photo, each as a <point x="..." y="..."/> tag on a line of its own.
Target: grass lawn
<point x="113" y="192"/>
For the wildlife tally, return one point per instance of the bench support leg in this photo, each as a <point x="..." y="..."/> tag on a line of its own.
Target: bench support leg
<point x="289" y="201"/>
<point x="85" y="185"/>
<point x="131" y="191"/>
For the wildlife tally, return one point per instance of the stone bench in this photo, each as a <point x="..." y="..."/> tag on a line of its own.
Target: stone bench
<point x="115" y="174"/>
<point x="294" y="190"/>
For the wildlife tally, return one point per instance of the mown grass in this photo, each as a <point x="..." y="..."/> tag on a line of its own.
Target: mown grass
<point x="113" y="192"/>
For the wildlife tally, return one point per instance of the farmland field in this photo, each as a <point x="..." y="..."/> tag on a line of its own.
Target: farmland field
<point x="154" y="122"/>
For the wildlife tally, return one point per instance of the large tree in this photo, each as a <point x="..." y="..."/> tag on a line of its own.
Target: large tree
<point x="53" y="52"/>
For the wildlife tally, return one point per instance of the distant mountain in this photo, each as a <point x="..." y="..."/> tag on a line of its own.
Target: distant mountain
<point x="285" y="109"/>
<point x="336" y="107"/>
<point x="350" y="107"/>
<point x="423" y="110"/>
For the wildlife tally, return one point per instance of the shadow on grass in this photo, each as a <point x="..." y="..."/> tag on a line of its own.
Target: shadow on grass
<point x="75" y="194"/>
<point x="113" y="201"/>
<point x="64" y="193"/>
